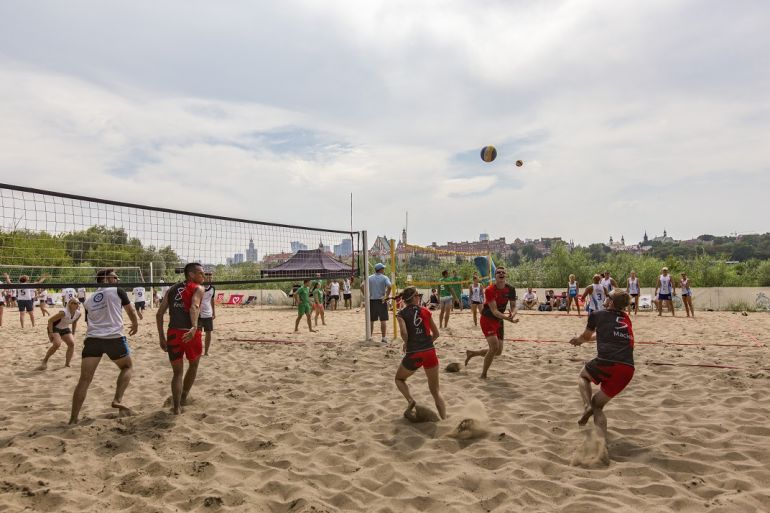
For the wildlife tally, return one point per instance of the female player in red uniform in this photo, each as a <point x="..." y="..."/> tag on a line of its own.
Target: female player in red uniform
<point x="419" y="332"/>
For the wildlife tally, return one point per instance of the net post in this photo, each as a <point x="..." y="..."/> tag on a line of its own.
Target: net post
<point x="393" y="288"/>
<point x="365" y="280"/>
<point x="152" y="289"/>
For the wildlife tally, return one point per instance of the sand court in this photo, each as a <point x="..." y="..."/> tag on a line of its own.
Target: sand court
<point x="284" y="422"/>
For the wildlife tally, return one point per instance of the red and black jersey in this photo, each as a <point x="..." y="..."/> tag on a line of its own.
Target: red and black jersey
<point x="614" y="336"/>
<point x="417" y="320"/>
<point x="179" y="302"/>
<point x="500" y="297"/>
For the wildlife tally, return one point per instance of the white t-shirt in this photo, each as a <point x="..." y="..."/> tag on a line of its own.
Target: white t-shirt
<point x="25" y="294"/>
<point x="530" y="296"/>
<point x="68" y="319"/>
<point x="207" y="311"/>
<point x="68" y="294"/>
<point x="597" y="298"/>
<point x="81" y="293"/>
<point x="334" y="289"/>
<point x="138" y="294"/>
<point x="42" y="294"/>
<point x="104" y="311"/>
<point x="346" y="287"/>
<point x="665" y="284"/>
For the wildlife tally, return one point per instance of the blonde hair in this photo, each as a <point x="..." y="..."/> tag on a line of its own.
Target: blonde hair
<point x="620" y="298"/>
<point x="571" y="277"/>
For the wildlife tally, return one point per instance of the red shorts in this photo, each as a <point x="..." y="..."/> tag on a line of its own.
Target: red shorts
<point x="491" y="327"/>
<point x="193" y="349"/>
<point x="611" y="376"/>
<point x="414" y="361"/>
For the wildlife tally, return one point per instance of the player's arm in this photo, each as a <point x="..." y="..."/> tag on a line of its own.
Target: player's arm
<point x="195" y="311"/>
<point x="7" y="278"/>
<point x="402" y="330"/>
<point x="159" y="321"/>
<point x="434" y="329"/>
<point x="129" y="308"/>
<point x="587" y="292"/>
<point x="387" y="293"/>
<point x="53" y="320"/>
<point x="213" y="305"/>
<point x="584" y="337"/>
<point x="74" y="327"/>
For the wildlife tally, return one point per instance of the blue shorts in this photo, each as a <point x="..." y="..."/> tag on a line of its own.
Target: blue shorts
<point x="25" y="305"/>
<point x="573" y="294"/>
<point x="664" y="297"/>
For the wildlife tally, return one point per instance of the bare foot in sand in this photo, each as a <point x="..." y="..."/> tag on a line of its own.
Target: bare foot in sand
<point x="468" y="357"/>
<point x="177" y="411"/>
<point x="586" y="415"/>
<point x="42" y="366"/>
<point x="313" y="331"/>
<point x="123" y="410"/>
<point x="483" y="376"/>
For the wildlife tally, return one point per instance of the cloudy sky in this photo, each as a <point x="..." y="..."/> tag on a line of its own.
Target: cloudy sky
<point x="628" y="115"/>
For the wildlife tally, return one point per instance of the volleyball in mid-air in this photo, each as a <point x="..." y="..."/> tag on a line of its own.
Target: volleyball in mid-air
<point x="488" y="153"/>
<point x="519" y="163"/>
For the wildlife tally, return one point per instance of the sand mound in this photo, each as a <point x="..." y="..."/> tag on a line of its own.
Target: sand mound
<point x="453" y="367"/>
<point x="592" y="452"/>
<point x="474" y="423"/>
<point x="421" y="414"/>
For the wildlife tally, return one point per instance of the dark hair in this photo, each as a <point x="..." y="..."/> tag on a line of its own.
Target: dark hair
<point x="408" y="294"/>
<point x="23" y="278"/>
<point x="444" y="272"/>
<point x="189" y="267"/>
<point x="306" y="280"/>
<point x="102" y="274"/>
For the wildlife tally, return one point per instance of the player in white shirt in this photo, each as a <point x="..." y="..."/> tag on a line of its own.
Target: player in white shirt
<point x="139" y="301"/>
<point x="346" y="294"/>
<point x="105" y="335"/>
<point x="667" y="289"/>
<point x="68" y="294"/>
<point x="82" y="295"/>
<point x="42" y="296"/>
<point x="25" y="298"/>
<point x="334" y="294"/>
<point x="61" y="328"/>
<point x="597" y="294"/>
<point x="208" y="312"/>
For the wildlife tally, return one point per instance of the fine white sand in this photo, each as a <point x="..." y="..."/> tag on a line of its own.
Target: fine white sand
<point x="284" y="422"/>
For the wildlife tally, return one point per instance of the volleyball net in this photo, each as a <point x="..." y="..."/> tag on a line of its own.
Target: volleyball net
<point x="422" y="266"/>
<point x="65" y="238"/>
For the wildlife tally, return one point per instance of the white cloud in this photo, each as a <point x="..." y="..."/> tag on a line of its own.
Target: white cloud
<point x="659" y="106"/>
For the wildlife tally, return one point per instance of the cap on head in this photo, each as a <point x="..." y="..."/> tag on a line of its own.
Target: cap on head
<point x="665" y="269"/>
<point x="379" y="266"/>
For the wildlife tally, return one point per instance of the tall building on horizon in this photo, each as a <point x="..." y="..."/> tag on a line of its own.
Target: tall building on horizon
<point x="297" y="245"/>
<point x="251" y="252"/>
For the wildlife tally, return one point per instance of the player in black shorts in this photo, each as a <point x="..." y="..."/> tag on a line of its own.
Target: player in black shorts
<point x="104" y="335"/>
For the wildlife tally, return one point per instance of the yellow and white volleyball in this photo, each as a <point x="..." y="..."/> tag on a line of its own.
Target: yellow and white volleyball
<point x="519" y="163"/>
<point x="488" y="153"/>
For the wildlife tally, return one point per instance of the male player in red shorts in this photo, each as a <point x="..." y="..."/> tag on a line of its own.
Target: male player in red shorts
<point x="613" y="367"/>
<point x="183" y="301"/>
<point x="418" y="331"/>
<point x="496" y="298"/>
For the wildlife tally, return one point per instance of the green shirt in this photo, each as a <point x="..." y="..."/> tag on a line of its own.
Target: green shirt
<point x="457" y="287"/>
<point x="445" y="290"/>
<point x="318" y="295"/>
<point x="304" y="294"/>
